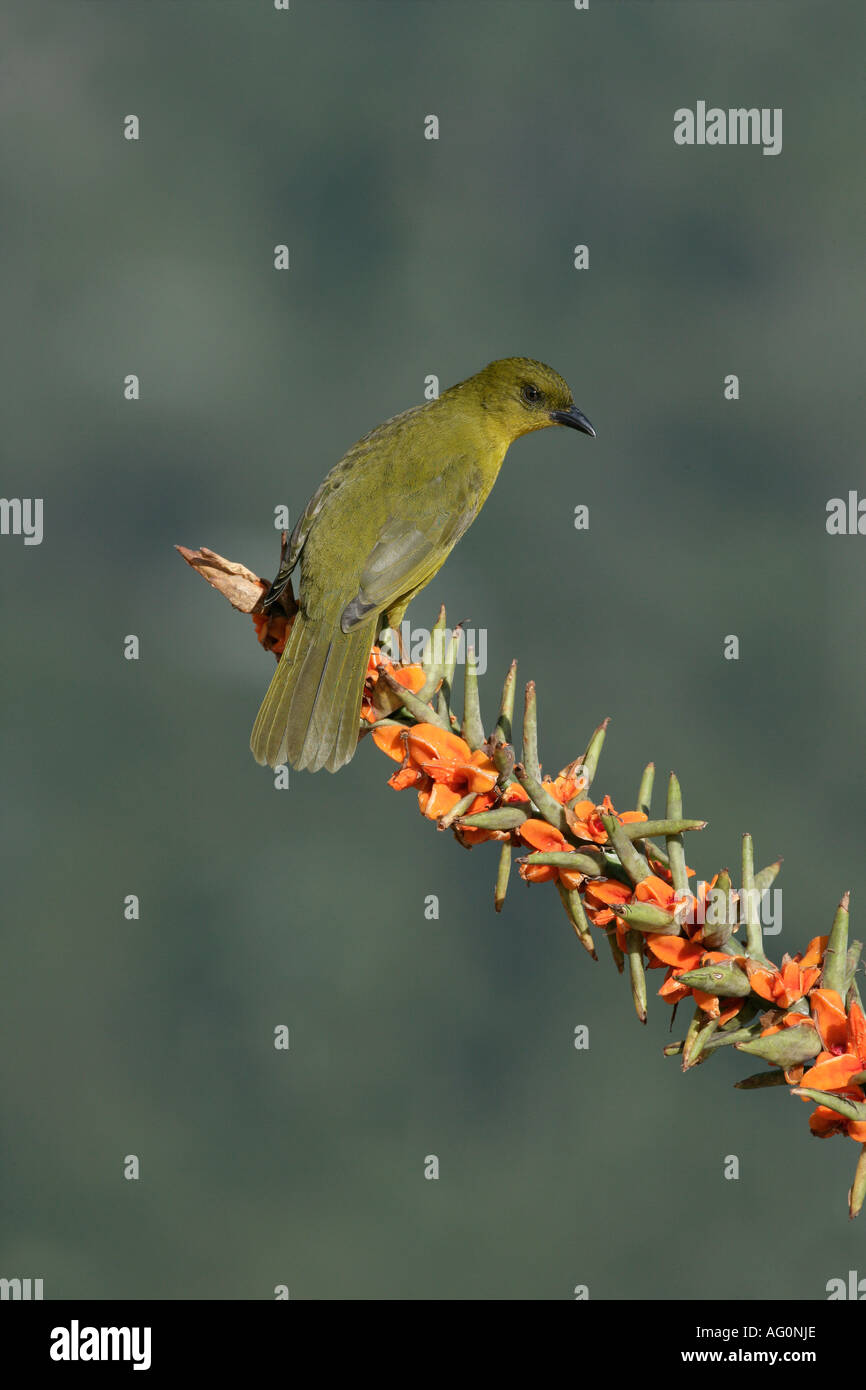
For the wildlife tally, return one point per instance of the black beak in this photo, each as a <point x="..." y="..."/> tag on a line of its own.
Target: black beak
<point x="573" y="417"/>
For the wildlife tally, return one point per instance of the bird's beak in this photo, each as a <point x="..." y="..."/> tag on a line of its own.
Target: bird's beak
<point x="573" y="417"/>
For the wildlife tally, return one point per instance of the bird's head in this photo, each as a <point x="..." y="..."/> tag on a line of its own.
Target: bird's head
<point x="524" y="395"/>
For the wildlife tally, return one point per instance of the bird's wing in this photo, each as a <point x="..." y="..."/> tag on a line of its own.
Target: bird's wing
<point x="297" y="541"/>
<point x="361" y="456"/>
<point x="407" y="553"/>
<point x="298" y="538"/>
<point x="329" y="485"/>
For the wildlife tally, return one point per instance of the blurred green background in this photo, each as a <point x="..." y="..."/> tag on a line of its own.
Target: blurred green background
<point x="306" y="907"/>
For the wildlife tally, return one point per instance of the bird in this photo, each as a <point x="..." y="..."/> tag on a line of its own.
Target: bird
<point x="375" y="532"/>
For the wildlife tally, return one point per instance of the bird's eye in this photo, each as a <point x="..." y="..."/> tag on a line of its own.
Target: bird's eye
<point x="531" y="393"/>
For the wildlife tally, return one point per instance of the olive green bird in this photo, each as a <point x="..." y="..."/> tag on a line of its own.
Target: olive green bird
<point x="377" y="530"/>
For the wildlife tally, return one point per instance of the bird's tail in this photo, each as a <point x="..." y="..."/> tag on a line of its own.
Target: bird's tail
<point x="310" y="714"/>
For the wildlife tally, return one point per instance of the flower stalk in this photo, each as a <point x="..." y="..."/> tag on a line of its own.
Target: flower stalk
<point x="803" y="1017"/>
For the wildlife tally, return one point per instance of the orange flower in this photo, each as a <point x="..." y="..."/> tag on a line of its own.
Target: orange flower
<point x="470" y="835"/>
<point x="796" y="977"/>
<point x="391" y="738"/>
<point x="541" y="836"/>
<point x="713" y="1006"/>
<point x="653" y="889"/>
<point x="678" y="952"/>
<point x="585" y="819"/>
<point x="814" y="953"/>
<point x="420" y="743"/>
<point x="443" y="768"/>
<point x="446" y="769"/>
<point x="566" y="784"/>
<point x="790" y="1020"/>
<point x="514" y="794"/>
<point x="600" y="893"/>
<point x="844" y="1057"/>
<point x="682" y="955"/>
<point x="823" y="1121"/>
<point x="828" y="1011"/>
<point x="272" y="630"/>
<point x="442" y="799"/>
<point x="380" y="699"/>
